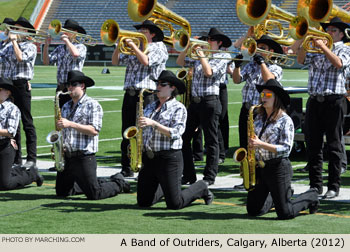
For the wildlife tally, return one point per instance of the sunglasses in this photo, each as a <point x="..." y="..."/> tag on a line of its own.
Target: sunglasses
<point x="212" y="39"/>
<point x="163" y="84"/>
<point x="266" y="95"/>
<point x="74" y="84"/>
<point x="332" y="30"/>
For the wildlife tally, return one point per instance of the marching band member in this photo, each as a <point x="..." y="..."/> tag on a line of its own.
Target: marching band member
<point x="324" y="108"/>
<point x="205" y="107"/>
<point x="20" y="58"/>
<point x="141" y="69"/>
<point x="274" y="131"/>
<point x="81" y="123"/>
<point x="70" y="56"/>
<point x="16" y="177"/>
<point x="164" y="122"/>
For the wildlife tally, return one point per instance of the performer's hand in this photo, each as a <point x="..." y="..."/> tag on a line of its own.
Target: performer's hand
<point x="13" y="36"/>
<point x="29" y="85"/>
<point x="320" y="42"/>
<point x="254" y="142"/>
<point x="63" y="123"/>
<point x="48" y="40"/>
<point x="64" y="37"/>
<point x="14" y="144"/>
<point x="238" y="62"/>
<point x="145" y="121"/>
<point x="258" y="59"/>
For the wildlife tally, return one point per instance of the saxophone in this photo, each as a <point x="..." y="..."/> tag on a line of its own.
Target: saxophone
<point x="55" y="137"/>
<point x="186" y="76"/>
<point x="247" y="157"/>
<point x="134" y="134"/>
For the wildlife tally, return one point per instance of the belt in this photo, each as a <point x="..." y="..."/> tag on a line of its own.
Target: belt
<point x="274" y="160"/>
<point x="134" y="91"/>
<point x="4" y="141"/>
<point x="327" y="98"/>
<point x="198" y="99"/>
<point x="73" y="154"/>
<point x="152" y="154"/>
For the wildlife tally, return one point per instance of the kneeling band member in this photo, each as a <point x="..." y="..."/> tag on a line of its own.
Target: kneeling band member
<point x="81" y="123"/>
<point x="274" y="131"/>
<point x="164" y="123"/>
<point x="16" y="177"/>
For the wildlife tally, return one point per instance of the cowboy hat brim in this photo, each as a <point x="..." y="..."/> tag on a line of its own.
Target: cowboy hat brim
<point x="26" y="25"/>
<point x="170" y="77"/>
<point x="7" y="84"/>
<point x="77" y="28"/>
<point x="272" y="44"/>
<point x="277" y="89"/>
<point x="83" y="79"/>
<point x="153" y="29"/>
<point x="340" y="25"/>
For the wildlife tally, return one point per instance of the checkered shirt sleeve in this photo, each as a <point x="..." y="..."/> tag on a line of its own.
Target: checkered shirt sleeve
<point x="66" y="62"/>
<point x="251" y="74"/>
<point x="88" y="112"/>
<point x="279" y="133"/>
<point x="324" y="78"/>
<point x="140" y="76"/>
<point x="173" y="114"/>
<point x="25" y="68"/>
<point x="9" y="117"/>
<point x="5" y="62"/>
<point x="202" y="85"/>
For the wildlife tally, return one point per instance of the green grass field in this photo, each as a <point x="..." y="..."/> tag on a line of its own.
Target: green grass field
<point x="37" y="210"/>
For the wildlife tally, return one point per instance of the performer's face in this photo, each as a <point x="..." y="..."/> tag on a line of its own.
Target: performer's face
<point x="336" y="34"/>
<point x="214" y="43"/>
<point x="264" y="47"/>
<point x="76" y="89"/>
<point x="267" y="98"/>
<point x="164" y="89"/>
<point x="147" y="33"/>
<point x="4" y="94"/>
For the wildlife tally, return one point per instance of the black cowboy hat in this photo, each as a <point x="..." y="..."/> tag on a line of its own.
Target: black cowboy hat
<point x="77" y="76"/>
<point x="8" y="21"/>
<point x="336" y="21"/>
<point x="153" y="28"/>
<point x="277" y="88"/>
<point x="73" y="25"/>
<point x="267" y="40"/>
<point x="25" y="23"/>
<point x="8" y="84"/>
<point x="170" y="77"/>
<point x="202" y="35"/>
<point x="217" y="34"/>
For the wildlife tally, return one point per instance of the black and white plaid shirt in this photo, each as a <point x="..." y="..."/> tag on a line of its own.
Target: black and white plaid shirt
<point x="66" y="62"/>
<point x="5" y="66"/>
<point x="279" y="133"/>
<point x="88" y="112"/>
<point x="9" y="117"/>
<point x="251" y="74"/>
<point x="324" y="78"/>
<point x="202" y="85"/>
<point x="172" y="114"/>
<point x="139" y="76"/>
<point x="14" y="69"/>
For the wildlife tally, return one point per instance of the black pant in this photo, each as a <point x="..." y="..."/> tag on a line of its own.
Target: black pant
<point x="63" y="98"/>
<point x="129" y="119"/>
<point x="79" y="176"/>
<point x="12" y="178"/>
<point x="205" y="113"/>
<point x="223" y="132"/>
<point x="161" y="176"/>
<point x="243" y="127"/>
<point x="23" y="102"/>
<point x="324" y="118"/>
<point x="197" y="144"/>
<point x="274" y="187"/>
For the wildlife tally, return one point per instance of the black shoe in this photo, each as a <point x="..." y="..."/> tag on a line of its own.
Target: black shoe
<point x="313" y="208"/>
<point x="343" y="170"/>
<point x="196" y="159"/>
<point x="29" y="164"/>
<point x="185" y="181"/>
<point x="208" y="182"/>
<point x="319" y="191"/>
<point x="239" y="187"/>
<point x="53" y="169"/>
<point x="120" y="180"/>
<point x="127" y="174"/>
<point x="208" y="199"/>
<point x="305" y="169"/>
<point x="330" y="194"/>
<point x="221" y="161"/>
<point x="39" y="179"/>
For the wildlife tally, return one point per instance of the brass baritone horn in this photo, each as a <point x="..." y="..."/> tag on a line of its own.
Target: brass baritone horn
<point x="55" y="30"/>
<point x="141" y="10"/>
<point x="319" y="11"/>
<point x="313" y="33"/>
<point x="111" y="33"/>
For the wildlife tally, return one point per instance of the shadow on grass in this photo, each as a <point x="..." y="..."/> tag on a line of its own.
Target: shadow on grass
<point x="112" y="157"/>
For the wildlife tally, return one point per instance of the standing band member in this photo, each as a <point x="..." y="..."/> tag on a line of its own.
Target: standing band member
<point x="20" y="58"/>
<point x="70" y="56"/>
<point x="164" y="122"/>
<point x="205" y="106"/>
<point x="81" y="123"/>
<point x="16" y="177"/>
<point x="274" y="131"/>
<point x="5" y="70"/>
<point x="324" y="108"/>
<point x="141" y="69"/>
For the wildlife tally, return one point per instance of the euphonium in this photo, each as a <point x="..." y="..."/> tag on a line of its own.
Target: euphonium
<point x="247" y="157"/>
<point x="141" y="10"/>
<point x="134" y="135"/>
<point x="186" y="76"/>
<point x="110" y="33"/>
<point x="55" y="137"/>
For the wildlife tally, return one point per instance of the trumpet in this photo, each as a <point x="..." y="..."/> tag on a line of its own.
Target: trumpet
<point x="55" y="30"/>
<point x="31" y="34"/>
<point x="141" y="10"/>
<point x="110" y="33"/>
<point x="319" y="11"/>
